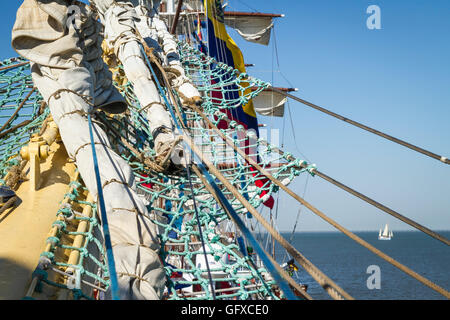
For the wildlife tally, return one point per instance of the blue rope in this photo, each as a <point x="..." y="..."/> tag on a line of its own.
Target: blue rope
<point x="106" y="234"/>
<point x="245" y="231"/>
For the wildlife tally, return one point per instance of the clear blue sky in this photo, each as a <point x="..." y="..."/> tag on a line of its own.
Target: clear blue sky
<point x="396" y="80"/>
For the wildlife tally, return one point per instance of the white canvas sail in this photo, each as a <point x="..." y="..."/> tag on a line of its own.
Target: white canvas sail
<point x="386" y="234"/>
<point x="254" y="29"/>
<point x="269" y="103"/>
<point x="386" y="231"/>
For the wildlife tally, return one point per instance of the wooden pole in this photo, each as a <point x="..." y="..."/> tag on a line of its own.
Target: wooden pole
<point x="177" y="16"/>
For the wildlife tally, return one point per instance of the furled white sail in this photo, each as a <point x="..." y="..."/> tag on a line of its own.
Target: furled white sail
<point x="254" y="29"/>
<point x="269" y="103"/>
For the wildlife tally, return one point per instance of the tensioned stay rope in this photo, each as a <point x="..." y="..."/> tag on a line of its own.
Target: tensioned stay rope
<point x="364" y="127"/>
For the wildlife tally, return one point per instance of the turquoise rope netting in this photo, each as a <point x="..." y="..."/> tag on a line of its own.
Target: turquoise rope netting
<point x="15" y="85"/>
<point x="236" y="274"/>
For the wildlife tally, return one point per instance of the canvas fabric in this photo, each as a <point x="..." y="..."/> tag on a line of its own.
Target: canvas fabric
<point x="41" y="35"/>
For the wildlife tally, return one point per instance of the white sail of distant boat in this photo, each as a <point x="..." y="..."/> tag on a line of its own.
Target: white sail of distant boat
<point x="386" y="234"/>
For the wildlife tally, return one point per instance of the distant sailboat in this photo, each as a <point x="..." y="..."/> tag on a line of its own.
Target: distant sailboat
<point x="386" y="234"/>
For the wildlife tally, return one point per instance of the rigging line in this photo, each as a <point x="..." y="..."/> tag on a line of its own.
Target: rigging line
<point x="326" y="218"/>
<point x="299" y="211"/>
<point x="293" y="131"/>
<point x="364" y="127"/>
<point x="105" y="226"/>
<point x="14" y="66"/>
<point x="291" y="85"/>
<point x="278" y="57"/>
<point x="197" y="215"/>
<point x="18" y="109"/>
<point x="251" y="8"/>
<point x="291" y="238"/>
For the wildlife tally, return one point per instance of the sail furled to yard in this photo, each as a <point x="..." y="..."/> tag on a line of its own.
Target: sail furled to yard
<point x="255" y="29"/>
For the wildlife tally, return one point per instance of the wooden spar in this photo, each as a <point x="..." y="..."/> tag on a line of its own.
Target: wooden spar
<point x="252" y="14"/>
<point x="14" y="66"/>
<point x="278" y="88"/>
<point x="235" y="14"/>
<point x="177" y="16"/>
<point x="17" y="110"/>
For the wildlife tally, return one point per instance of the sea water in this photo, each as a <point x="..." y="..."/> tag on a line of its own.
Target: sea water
<point x="350" y="265"/>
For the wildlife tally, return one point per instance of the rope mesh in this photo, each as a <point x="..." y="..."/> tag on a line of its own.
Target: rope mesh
<point x="236" y="273"/>
<point x="15" y="85"/>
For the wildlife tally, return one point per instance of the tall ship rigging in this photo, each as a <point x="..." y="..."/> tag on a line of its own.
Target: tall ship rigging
<point x="132" y="166"/>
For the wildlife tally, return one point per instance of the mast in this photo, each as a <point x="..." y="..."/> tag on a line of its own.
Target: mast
<point x="177" y="15"/>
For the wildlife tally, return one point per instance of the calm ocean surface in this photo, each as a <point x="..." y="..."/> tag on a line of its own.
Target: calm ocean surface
<point x="346" y="263"/>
